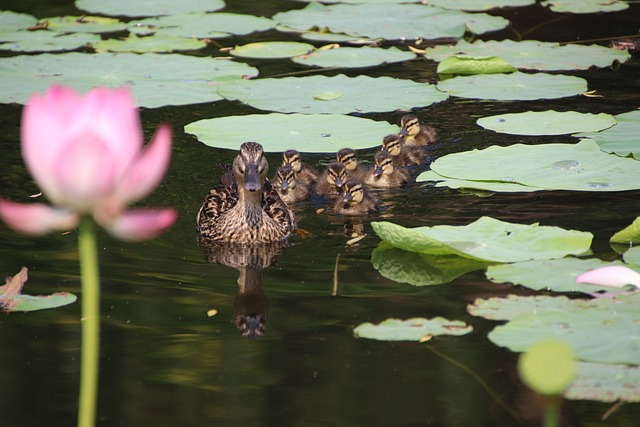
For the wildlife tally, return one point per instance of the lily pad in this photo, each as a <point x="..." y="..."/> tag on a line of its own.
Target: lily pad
<point x="574" y="167"/>
<point x="46" y="41"/>
<point x="514" y="87"/>
<point x="415" y="329"/>
<point x="514" y="306"/>
<point x="493" y="186"/>
<point x="12" y="298"/>
<point x="547" y="122"/>
<point x="421" y="269"/>
<point x="354" y="57"/>
<point x="359" y="94"/>
<point x="585" y="6"/>
<point x="480" y="5"/>
<point x="191" y="80"/>
<point x="148" y="7"/>
<point x="309" y="133"/>
<point x="84" y="24"/>
<point x="133" y="43"/>
<point x="272" y="50"/>
<point x="487" y="239"/>
<point x="627" y="235"/>
<point x="469" y="65"/>
<point x="327" y="37"/>
<point x="533" y="54"/>
<point x="12" y="21"/>
<point x="632" y="256"/>
<point x="621" y="139"/>
<point x="605" y="383"/>
<point x="548" y="367"/>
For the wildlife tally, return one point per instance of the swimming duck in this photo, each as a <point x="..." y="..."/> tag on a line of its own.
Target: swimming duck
<point x="288" y="187"/>
<point x="403" y="155"/>
<point x="414" y="133"/>
<point x="355" y="169"/>
<point x="355" y="200"/>
<point x="305" y="174"/>
<point x="251" y="211"/>
<point x="384" y="174"/>
<point x="332" y="179"/>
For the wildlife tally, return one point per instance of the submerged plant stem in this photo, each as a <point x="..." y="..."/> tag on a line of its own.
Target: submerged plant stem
<point x="90" y="302"/>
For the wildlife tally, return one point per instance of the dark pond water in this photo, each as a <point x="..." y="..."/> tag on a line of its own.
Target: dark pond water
<point x="166" y="363"/>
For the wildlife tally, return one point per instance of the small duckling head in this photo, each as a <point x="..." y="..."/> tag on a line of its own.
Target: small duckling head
<point x="337" y="174"/>
<point x="392" y="145"/>
<point x="250" y="167"/>
<point x="348" y="158"/>
<point x="285" y="178"/>
<point x="352" y="193"/>
<point x="292" y="158"/>
<point x="383" y="164"/>
<point x="410" y="125"/>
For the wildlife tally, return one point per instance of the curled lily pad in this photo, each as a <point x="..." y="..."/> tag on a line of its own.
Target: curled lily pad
<point x="12" y="298"/>
<point x="148" y="8"/>
<point x="353" y="57"/>
<point x="416" y="329"/>
<point x="85" y="24"/>
<point x="46" y="41"/>
<point x="547" y="122"/>
<point x="621" y="139"/>
<point x="133" y="43"/>
<point x="585" y="6"/>
<point x="468" y="65"/>
<point x="480" y="5"/>
<point x="271" y="50"/>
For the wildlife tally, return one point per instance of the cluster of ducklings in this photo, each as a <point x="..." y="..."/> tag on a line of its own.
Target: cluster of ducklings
<point x="347" y="180"/>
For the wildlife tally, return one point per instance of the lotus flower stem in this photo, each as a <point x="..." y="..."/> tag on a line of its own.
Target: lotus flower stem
<point x="90" y="302"/>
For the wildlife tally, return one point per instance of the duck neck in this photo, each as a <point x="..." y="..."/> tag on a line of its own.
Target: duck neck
<point x="251" y="204"/>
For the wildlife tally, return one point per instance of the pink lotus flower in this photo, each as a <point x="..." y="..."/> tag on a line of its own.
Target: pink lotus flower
<point x="615" y="276"/>
<point x="86" y="154"/>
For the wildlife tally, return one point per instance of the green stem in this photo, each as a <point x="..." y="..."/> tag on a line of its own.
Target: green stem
<point x="90" y="301"/>
<point x="552" y="412"/>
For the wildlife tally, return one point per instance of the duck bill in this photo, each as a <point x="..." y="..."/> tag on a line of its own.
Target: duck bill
<point x="284" y="185"/>
<point x="403" y="132"/>
<point x="339" y="182"/>
<point x="251" y="178"/>
<point x="377" y="171"/>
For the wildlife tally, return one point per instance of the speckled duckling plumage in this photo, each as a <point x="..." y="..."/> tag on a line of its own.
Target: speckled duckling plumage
<point x="355" y="169"/>
<point x="384" y="174"/>
<point x="305" y="174"/>
<point x="403" y="155"/>
<point x="332" y="180"/>
<point x="355" y="200"/>
<point x="413" y="132"/>
<point x="286" y="184"/>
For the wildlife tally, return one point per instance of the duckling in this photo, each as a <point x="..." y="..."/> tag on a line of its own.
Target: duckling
<point x="384" y="174"/>
<point x="305" y="174"/>
<point x="251" y="211"/>
<point x="355" y="200"/>
<point x="415" y="133"/>
<point x="332" y="180"/>
<point x="403" y="155"/>
<point x="288" y="187"/>
<point x="355" y="169"/>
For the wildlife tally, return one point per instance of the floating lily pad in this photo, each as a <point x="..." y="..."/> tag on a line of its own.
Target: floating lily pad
<point x="416" y="329"/>
<point x="621" y="139"/>
<point x="632" y="256"/>
<point x="421" y="269"/>
<point x="84" y="24"/>
<point x="133" y="43"/>
<point x="585" y="6"/>
<point x="469" y="65"/>
<point x="480" y="5"/>
<point x="353" y="57"/>
<point x="46" y="41"/>
<point x="327" y="37"/>
<point x="487" y="239"/>
<point x="12" y="298"/>
<point x="548" y="367"/>
<point x="534" y="55"/>
<point x="627" y="235"/>
<point x="13" y="21"/>
<point x="191" y="80"/>
<point x="574" y="167"/>
<point x="359" y="94"/>
<point x="389" y="21"/>
<point x="148" y="7"/>
<point x="547" y="122"/>
<point x="272" y="50"/>
<point x="310" y="133"/>
<point x="514" y="306"/>
<point x="202" y="25"/>
<point x="493" y="186"/>
<point x="605" y="383"/>
<point x="514" y="87"/>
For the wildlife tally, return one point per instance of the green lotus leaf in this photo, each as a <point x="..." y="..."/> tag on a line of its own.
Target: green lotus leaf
<point x="84" y="24"/>
<point x="202" y="25"/>
<point x="46" y="41"/>
<point x="548" y="367"/>
<point x="421" y="269"/>
<point x="360" y="94"/>
<point x="514" y="87"/>
<point x="514" y="306"/>
<point x="272" y="50"/>
<point x="487" y="239"/>
<point x="621" y="139"/>
<point x="133" y="43"/>
<point x="191" y="80"/>
<point x="632" y="255"/>
<point x="148" y="7"/>
<point x="629" y="234"/>
<point x="585" y="6"/>
<point x="327" y="37"/>
<point x="13" y="21"/>
<point x="353" y="57"/>
<point x="547" y="122"/>
<point x="480" y="5"/>
<point x="575" y="167"/>
<point x="389" y="21"/>
<point x="605" y="383"/>
<point x="415" y="329"/>
<point x="492" y="186"/>
<point x="12" y="298"/>
<point x="468" y="65"/>
<point x="533" y="54"/>
<point x="310" y="133"/>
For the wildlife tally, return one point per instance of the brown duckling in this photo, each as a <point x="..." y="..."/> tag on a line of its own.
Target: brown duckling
<point x="403" y="155"/>
<point x="332" y="180"/>
<point x="355" y="169"/>
<point x="385" y="174"/>
<point x="415" y="133"/>
<point x="305" y="174"/>
<point x="355" y="200"/>
<point x="287" y="185"/>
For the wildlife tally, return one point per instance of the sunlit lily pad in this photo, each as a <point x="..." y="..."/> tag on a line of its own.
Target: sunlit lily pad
<point x="155" y="79"/>
<point x="547" y="122"/>
<point x="416" y="329"/>
<point x="353" y="57"/>
<point x="359" y="94"/>
<point x="492" y="186"/>
<point x="202" y="25"/>
<point x="469" y="65"/>
<point x="574" y="167"/>
<point x="480" y="5"/>
<point x="621" y="139"/>
<point x="311" y="133"/>
<point x="12" y="298"/>
<point x="327" y="37"/>
<point x="13" y="21"/>
<point x="605" y="383"/>
<point x="632" y="255"/>
<point x="148" y="7"/>
<point x="514" y="87"/>
<point x="133" y="43"/>
<point x="585" y="6"/>
<point x="487" y="239"/>
<point x="533" y="54"/>
<point x="84" y="24"/>
<point x="421" y="269"/>
<point x="46" y="41"/>
<point x="629" y="234"/>
<point x="514" y="306"/>
<point x="271" y="50"/>
<point x="389" y="21"/>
